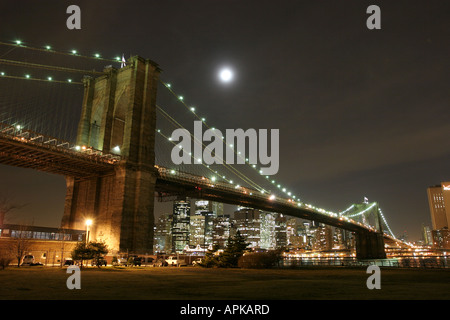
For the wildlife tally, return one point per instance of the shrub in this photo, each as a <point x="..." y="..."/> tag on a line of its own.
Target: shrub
<point x="5" y="260"/>
<point x="260" y="260"/>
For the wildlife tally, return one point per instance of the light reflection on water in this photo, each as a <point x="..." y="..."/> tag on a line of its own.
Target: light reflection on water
<point x="399" y="262"/>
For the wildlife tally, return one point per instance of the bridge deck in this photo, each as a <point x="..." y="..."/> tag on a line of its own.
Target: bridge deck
<point x="24" y="153"/>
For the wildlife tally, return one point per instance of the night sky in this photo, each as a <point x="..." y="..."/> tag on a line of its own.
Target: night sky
<point x="361" y="113"/>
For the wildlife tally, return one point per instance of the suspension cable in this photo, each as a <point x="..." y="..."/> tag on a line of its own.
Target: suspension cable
<point x="237" y="172"/>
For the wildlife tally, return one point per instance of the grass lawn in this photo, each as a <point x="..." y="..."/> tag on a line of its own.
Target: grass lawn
<point x="191" y="283"/>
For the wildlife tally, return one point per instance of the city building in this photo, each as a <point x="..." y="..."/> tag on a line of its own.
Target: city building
<point x="293" y="237"/>
<point x="163" y="233"/>
<point x="197" y="231"/>
<point x="267" y="231"/>
<point x="439" y="203"/>
<point x="307" y="231"/>
<point x="248" y="223"/>
<point x="222" y="230"/>
<point x="180" y="225"/>
<point x="280" y="232"/>
<point x="323" y="238"/>
<point x="427" y="235"/>
<point x="441" y="238"/>
<point x="48" y="246"/>
<point x="209" y="210"/>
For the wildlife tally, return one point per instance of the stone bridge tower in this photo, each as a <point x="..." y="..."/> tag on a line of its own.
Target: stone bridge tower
<point x="118" y="116"/>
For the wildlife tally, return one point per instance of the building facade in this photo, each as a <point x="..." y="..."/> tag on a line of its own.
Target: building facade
<point x="439" y="203"/>
<point x="180" y="225"/>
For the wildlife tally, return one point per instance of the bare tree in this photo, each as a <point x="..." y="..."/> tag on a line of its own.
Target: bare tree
<point x="7" y="205"/>
<point x="22" y="243"/>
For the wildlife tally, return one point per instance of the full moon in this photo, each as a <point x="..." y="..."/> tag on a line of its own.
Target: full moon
<point x="226" y="75"/>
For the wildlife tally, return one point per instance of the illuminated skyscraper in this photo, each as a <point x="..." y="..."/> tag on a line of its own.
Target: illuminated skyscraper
<point x="248" y="223"/>
<point x="280" y="231"/>
<point x="209" y="210"/>
<point x="180" y="225"/>
<point x="439" y="202"/>
<point x="222" y="230"/>
<point x="197" y="230"/>
<point x="163" y="234"/>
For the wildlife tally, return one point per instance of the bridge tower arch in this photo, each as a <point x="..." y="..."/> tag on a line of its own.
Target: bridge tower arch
<point x="118" y="116"/>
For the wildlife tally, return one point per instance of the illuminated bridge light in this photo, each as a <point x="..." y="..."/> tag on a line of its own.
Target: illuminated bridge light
<point x="272" y="197"/>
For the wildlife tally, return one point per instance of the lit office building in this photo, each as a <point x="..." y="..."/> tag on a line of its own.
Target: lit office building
<point x="323" y="238"/>
<point x="294" y="239"/>
<point x="197" y="231"/>
<point x="209" y="210"/>
<point x="280" y="231"/>
<point x="427" y="235"/>
<point x="308" y="232"/>
<point x="180" y="225"/>
<point x="248" y="223"/>
<point x="222" y="230"/>
<point x="209" y="206"/>
<point x="441" y="238"/>
<point x="339" y="239"/>
<point x="439" y="203"/>
<point x="163" y="234"/>
<point x="267" y="231"/>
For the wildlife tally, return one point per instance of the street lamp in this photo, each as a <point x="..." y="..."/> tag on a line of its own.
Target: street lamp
<point x="88" y="224"/>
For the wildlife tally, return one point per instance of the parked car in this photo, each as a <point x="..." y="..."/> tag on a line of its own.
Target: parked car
<point x="197" y="262"/>
<point x="27" y="260"/>
<point x="173" y="261"/>
<point x="100" y="261"/>
<point x="68" y="262"/>
<point x="130" y="261"/>
<point x="160" y="263"/>
<point x="122" y="261"/>
<point x="136" y="261"/>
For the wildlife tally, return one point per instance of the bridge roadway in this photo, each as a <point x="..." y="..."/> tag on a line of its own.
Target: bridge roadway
<point x="26" y="149"/>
